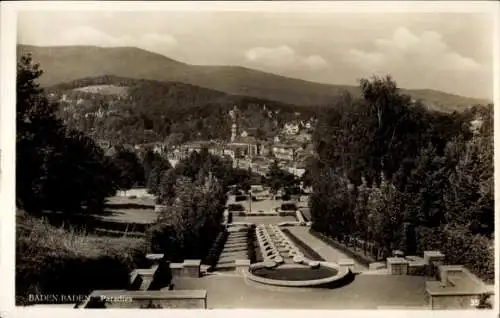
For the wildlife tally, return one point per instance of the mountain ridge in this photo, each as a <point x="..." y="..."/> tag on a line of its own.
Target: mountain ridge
<point x="67" y="63"/>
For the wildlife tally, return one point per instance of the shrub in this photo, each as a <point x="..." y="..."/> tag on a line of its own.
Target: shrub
<point x="216" y="249"/>
<point x="235" y="207"/>
<point x="252" y="253"/>
<point x="461" y="248"/>
<point x="288" y="207"/>
<point x="236" y="192"/>
<point x="240" y="198"/>
<point x="160" y="236"/>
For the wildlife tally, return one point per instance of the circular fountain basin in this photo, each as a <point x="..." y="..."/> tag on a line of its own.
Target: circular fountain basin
<point x="295" y="275"/>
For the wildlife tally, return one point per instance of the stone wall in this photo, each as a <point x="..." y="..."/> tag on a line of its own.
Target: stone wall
<point x="457" y="288"/>
<point x="185" y="299"/>
<point x="454" y="301"/>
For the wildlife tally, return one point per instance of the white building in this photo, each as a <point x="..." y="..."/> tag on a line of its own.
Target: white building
<point x="291" y="129"/>
<point x="285" y="152"/>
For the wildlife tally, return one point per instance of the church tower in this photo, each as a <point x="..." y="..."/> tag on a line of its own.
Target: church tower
<point x="234" y="131"/>
<point x="234" y="127"/>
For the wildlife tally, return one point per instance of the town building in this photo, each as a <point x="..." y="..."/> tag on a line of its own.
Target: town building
<point x="291" y="128"/>
<point x="286" y="152"/>
<point x="244" y="145"/>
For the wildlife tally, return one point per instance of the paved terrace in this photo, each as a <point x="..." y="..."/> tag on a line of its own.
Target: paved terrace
<point x="231" y="290"/>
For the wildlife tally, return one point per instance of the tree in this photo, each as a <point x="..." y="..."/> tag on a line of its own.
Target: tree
<point x="166" y="191"/>
<point x="57" y="168"/>
<point x="130" y="169"/>
<point x="154" y="167"/>
<point x="429" y="175"/>
<point x="192" y="218"/>
<point x="277" y="179"/>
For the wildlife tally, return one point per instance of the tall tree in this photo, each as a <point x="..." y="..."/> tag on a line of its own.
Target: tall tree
<point x="131" y="172"/>
<point x="57" y="168"/>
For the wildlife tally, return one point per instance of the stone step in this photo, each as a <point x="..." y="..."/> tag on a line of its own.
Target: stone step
<point x="235" y="245"/>
<point x="237" y="239"/>
<point x="225" y="267"/>
<point x="231" y="254"/>
<point x="225" y="261"/>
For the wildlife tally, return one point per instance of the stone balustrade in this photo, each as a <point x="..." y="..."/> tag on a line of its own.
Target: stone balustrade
<point x="189" y="268"/>
<point x="397" y="266"/>
<point x="188" y="299"/>
<point x="346" y="263"/>
<point x="432" y="260"/>
<point x="456" y="288"/>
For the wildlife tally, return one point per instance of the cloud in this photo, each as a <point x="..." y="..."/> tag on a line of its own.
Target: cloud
<point x="283" y="57"/>
<point x="85" y="35"/>
<point x="315" y="62"/>
<point x="406" y="50"/>
<point x="420" y="60"/>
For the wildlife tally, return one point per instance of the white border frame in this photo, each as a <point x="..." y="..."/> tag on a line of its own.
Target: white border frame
<point x="7" y="145"/>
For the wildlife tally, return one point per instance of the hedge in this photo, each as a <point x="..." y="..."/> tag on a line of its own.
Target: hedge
<point x="251" y="250"/>
<point x="216" y="249"/>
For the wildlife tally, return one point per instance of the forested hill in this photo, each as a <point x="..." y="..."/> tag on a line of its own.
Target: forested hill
<point x="68" y="63"/>
<point x="137" y="110"/>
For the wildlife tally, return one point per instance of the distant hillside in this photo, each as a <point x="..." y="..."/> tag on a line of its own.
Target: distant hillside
<point x="137" y="110"/>
<point x="68" y="63"/>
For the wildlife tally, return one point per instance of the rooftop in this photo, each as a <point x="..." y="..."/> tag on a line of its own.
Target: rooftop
<point x="287" y="145"/>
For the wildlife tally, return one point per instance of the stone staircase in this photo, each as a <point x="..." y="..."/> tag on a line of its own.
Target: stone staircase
<point x="234" y="249"/>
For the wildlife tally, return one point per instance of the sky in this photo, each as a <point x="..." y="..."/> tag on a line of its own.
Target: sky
<point x="450" y="52"/>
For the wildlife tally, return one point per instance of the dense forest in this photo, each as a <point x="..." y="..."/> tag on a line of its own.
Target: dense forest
<point x="139" y="111"/>
<point x="394" y="174"/>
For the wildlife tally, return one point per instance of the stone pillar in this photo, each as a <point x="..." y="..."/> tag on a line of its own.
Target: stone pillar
<point x="397" y="266"/>
<point x="191" y="268"/>
<point x="432" y="260"/>
<point x="176" y="269"/>
<point x="155" y="258"/>
<point x="242" y="264"/>
<point x="147" y="276"/>
<point x="398" y="253"/>
<point x="346" y="262"/>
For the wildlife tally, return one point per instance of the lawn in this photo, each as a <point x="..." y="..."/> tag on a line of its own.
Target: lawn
<point x="136" y="207"/>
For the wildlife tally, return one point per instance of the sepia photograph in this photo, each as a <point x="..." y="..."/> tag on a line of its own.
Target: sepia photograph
<point x="250" y="156"/>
